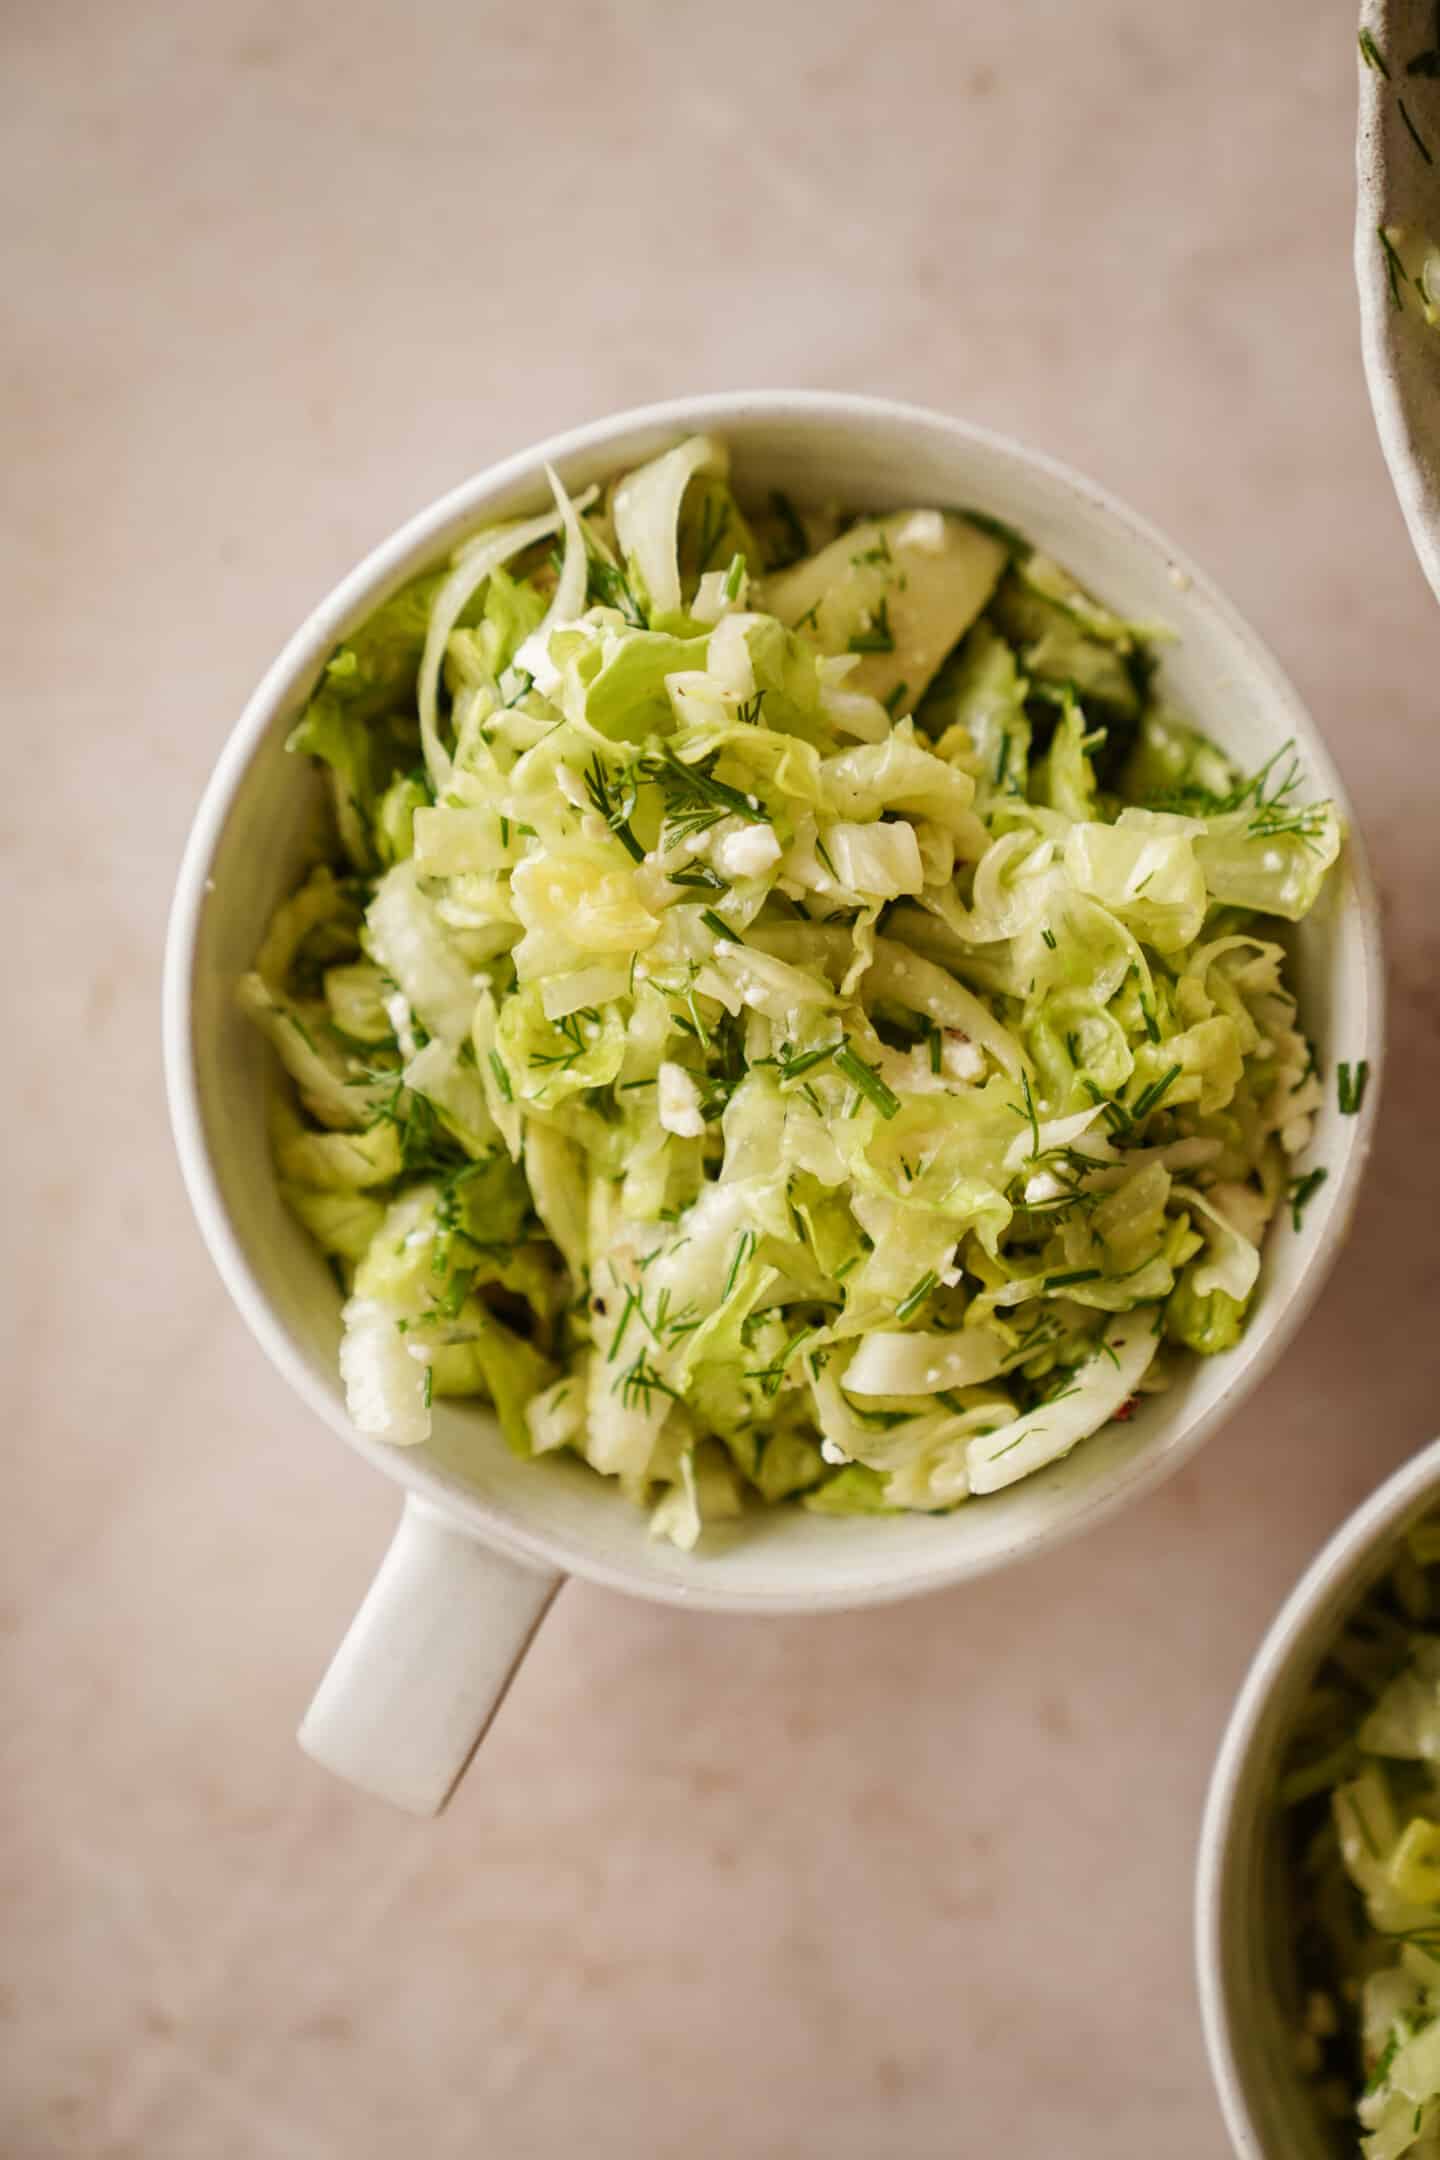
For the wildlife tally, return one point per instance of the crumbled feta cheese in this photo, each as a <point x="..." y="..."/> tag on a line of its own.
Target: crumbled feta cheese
<point x="421" y="1352"/>
<point x="679" y="1103"/>
<point x="961" y="1058"/>
<point x="748" y="852"/>
<point x="832" y="1452"/>
<point x="1044" y="1186"/>
<point x="924" y="532"/>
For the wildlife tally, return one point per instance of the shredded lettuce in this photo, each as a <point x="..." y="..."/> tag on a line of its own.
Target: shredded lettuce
<point x="1361" y="1783"/>
<point x="794" y="1021"/>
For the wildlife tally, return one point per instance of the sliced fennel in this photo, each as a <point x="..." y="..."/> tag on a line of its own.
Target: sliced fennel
<point x="789" y="1023"/>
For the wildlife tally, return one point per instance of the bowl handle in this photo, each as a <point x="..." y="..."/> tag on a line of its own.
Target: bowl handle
<point x="412" y="1689"/>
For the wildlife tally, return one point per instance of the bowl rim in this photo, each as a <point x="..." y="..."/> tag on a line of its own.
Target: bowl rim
<point x="1339" y="1560"/>
<point x="384" y="565"/>
<point x="1389" y="334"/>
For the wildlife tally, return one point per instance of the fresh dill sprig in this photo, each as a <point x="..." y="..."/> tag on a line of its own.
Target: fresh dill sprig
<point x="1268" y="794"/>
<point x="771" y="1377"/>
<point x="694" y="799"/>
<point x="615" y="801"/>
<point x="569" y="1027"/>
<point x="607" y="585"/>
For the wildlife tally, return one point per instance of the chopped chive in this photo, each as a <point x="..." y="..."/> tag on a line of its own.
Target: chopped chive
<point x="502" y="1077"/>
<point x="1049" y="937"/>
<point x="869" y="1082"/>
<point x="790" y="1067"/>
<point x="733" y="576"/>
<point x="935" y="1048"/>
<point x="1082" y="1274"/>
<point x="877" y="636"/>
<point x="1149" y="1098"/>
<point x="1371" y="54"/>
<point x="1147" y="1014"/>
<point x="428" y="1390"/>
<point x="892" y="703"/>
<point x="1351" y="1085"/>
<point x="714" y="924"/>
<point x="824" y="855"/>
<point x="915" y="1298"/>
<point x="1301" y="1191"/>
<point x="1002" y="761"/>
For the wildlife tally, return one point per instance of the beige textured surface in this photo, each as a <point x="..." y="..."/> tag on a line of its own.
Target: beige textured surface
<point x="912" y="1883"/>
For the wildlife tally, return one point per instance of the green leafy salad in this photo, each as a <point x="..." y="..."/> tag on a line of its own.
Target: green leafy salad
<point x="1363" y="1789"/>
<point x="792" y="1014"/>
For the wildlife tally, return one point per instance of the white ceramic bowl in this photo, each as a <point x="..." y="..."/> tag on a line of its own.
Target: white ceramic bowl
<point x="255" y="832"/>
<point x="1247" y="1985"/>
<point x="1396" y="186"/>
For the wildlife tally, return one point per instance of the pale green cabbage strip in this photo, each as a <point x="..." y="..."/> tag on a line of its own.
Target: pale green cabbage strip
<point x="796" y="1018"/>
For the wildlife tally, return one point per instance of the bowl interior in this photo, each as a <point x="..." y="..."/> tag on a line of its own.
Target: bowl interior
<point x="259" y="828"/>
<point x="1249" y="1985"/>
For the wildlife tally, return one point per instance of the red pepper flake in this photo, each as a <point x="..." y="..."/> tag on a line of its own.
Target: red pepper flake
<point x="1126" y="1411"/>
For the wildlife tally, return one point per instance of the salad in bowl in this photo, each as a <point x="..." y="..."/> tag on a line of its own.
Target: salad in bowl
<point x="790" y="1011"/>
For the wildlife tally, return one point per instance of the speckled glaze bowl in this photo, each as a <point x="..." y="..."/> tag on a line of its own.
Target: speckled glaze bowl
<point x="485" y="1540"/>
<point x="1398" y="185"/>
<point x="1247" y="1987"/>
